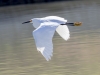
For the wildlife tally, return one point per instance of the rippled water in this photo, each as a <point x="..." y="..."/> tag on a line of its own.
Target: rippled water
<point x="80" y="55"/>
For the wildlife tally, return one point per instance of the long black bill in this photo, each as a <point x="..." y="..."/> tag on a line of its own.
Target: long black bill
<point x="26" y="22"/>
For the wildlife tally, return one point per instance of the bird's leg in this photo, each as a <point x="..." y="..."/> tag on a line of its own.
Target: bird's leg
<point x="73" y="24"/>
<point x="69" y="24"/>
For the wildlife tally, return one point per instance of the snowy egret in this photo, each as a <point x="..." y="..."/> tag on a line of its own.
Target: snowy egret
<point x="45" y="29"/>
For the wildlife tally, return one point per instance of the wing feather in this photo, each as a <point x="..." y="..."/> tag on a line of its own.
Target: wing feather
<point x="63" y="31"/>
<point x="43" y="38"/>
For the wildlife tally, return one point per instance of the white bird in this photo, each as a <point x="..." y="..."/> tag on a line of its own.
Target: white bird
<point x="45" y="29"/>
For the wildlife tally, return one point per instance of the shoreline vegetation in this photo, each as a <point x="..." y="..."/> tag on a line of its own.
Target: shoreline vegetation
<point x="21" y="2"/>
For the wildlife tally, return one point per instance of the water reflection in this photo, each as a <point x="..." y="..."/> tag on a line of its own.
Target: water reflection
<point x="78" y="56"/>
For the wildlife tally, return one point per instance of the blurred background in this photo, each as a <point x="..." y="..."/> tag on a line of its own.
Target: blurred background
<point x="80" y="55"/>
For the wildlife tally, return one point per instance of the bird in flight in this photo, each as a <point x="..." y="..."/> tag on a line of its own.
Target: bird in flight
<point x="45" y="29"/>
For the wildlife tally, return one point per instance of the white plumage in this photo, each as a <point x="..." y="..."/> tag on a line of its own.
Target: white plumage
<point x="46" y="28"/>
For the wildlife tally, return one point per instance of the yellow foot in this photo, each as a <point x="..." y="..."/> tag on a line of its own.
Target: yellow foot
<point x="77" y="23"/>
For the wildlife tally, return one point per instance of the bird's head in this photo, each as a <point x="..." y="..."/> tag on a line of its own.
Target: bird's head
<point x="27" y="22"/>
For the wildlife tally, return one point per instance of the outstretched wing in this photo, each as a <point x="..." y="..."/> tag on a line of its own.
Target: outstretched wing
<point x="63" y="31"/>
<point x="43" y="38"/>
